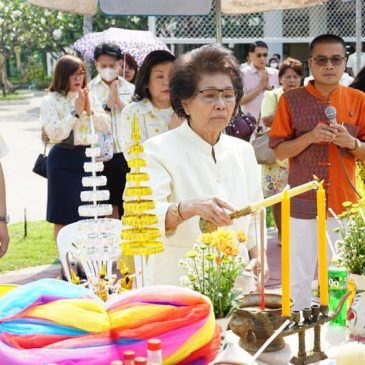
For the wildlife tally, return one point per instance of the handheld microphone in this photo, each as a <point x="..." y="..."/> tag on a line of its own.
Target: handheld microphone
<point x="331" y="113"/>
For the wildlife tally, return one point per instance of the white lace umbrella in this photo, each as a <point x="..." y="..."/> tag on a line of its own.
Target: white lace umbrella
<point x="137" y="43"/>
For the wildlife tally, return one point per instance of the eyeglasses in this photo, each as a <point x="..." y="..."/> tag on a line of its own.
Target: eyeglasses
<point x="260" y="55"/>
<point x="323" y="61"/>
<point x="212" y="95"/>
<point x="78" y="74"/>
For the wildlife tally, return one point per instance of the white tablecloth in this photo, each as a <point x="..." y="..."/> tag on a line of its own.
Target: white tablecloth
<point x="331" y="338"/>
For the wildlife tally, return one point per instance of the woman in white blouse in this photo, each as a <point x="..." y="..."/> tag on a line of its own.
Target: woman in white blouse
<point x="151" y="100"/>
<point x="65" y="115"/>
<point x="195" y="170"/>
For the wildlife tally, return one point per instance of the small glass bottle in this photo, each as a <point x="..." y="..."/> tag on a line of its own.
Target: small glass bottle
<point x="140" y="361"/>
<point x="154" y="352"/>
<point x="128" y="357"/>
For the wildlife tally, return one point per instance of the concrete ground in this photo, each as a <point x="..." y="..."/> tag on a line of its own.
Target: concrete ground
<point x="20" y="128"/>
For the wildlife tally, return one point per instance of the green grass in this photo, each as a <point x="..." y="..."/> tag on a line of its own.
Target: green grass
<point x="269" y="218"/>
<point x="38" y="248"/>
<point x="20" y="94"/>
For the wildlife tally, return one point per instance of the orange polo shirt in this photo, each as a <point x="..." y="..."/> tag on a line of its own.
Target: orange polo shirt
<point x="350" y="106"/>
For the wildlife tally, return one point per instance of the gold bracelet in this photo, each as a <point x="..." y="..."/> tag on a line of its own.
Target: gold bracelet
<point x="174" y="208"/>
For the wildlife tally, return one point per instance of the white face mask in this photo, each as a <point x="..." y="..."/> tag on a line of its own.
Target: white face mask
<point x="274" y="65"/>
<point x="108" y="74"/>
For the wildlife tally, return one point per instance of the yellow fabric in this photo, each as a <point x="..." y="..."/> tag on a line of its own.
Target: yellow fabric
<point x="138" y="313"/>
<point x="199" y="339"/>
<point x="87" y="314"/>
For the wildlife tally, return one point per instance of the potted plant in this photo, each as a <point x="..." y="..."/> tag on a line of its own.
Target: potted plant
<point x="212" y="268"/>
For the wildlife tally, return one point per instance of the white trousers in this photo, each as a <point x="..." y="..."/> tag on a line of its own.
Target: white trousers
<point x="304" y="257"/>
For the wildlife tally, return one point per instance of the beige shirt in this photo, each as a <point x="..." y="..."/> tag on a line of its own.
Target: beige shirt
<point x="57" y="119"/>
<point x="100" y="90"/>
<point x="181" y="167"/>
<point x="152" y="121"/>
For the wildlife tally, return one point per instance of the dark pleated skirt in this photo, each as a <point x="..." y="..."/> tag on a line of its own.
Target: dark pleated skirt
<point x="115" y="171"/>
<point x="65" y="169"/>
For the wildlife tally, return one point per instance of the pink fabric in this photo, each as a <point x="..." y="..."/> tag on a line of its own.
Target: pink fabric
<point x="251" y="80"/>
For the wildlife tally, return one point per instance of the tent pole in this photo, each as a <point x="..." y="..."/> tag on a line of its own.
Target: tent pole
<point x="358" y="34"/>
<point x="218" y="21"/>
<point x="88" y="28"/>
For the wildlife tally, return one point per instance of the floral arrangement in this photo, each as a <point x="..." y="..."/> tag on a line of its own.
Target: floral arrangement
<point x="352" y="233"/>
<point x="212" y="268"/>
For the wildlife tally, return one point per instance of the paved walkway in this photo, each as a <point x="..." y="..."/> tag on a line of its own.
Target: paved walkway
<point x="20" y="128"/>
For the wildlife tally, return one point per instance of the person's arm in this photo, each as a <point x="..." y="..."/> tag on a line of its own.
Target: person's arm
<point x="57" y="127"/>
<point x="345" y="140"/>
<point x="213" y="210"/>
<point x="4" y="235"/>
<point x="100" y="117"/>
<point x="268" y="107"/>
<point x="281" y="141"/>
<point x="321" y="133"/>
<point x="252" y="94"/>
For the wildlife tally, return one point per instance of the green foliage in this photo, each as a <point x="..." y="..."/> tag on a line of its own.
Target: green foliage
<point x="352" y="233"/>
<point x="36" y="30"/>
<point x="38" y="248"/>
<point x="360" y="178"/>
<point x="269" y="218"/>
<point x="212" y="269"/>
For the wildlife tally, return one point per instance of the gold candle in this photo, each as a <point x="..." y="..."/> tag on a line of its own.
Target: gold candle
<point x="322" y="245"/>
<point x="285" y="254"/>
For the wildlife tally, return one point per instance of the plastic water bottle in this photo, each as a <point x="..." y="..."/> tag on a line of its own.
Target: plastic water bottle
<point x="337" y="287"/>
<point x="154" y="352"/>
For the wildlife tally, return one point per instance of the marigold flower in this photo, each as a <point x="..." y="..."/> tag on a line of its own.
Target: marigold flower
<point x="205" y="238"/>
<point x="241" y="236"/>
<point x="218" y="260"/>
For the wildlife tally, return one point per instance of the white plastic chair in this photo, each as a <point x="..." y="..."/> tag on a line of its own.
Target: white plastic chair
<point x="67" y="235"/>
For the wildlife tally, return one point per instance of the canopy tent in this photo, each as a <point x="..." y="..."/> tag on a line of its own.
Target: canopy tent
<point x="162" y="7"/>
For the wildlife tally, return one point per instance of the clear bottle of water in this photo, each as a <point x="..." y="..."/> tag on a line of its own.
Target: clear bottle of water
<point x="154" y="352"/>
<point x="337" y="287"/>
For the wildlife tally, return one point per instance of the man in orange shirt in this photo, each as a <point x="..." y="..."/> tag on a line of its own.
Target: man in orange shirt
<point x="302" y="132"/>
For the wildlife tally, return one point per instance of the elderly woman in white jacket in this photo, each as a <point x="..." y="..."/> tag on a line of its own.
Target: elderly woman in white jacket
<point x="195" y="170"/>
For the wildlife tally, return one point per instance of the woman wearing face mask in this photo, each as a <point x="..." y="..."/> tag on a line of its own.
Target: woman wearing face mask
<point x="114" y="93"/>
<point x="274" y="63"/>
<point x="275" y="177"/>
<point x="151" y="106"/>
<point x="65" y="115"/>
<point x="128" y="68"/>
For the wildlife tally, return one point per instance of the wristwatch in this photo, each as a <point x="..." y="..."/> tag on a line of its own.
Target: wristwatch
<point x="358" y="145"/>
<point x="106" y="108"/>
<point x="75" y="114"/>
<point x="174" y="209"/>
<point x="5" y="218"/>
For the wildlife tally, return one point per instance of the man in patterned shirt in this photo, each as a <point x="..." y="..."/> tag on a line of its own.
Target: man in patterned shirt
<point x="302" y="133"/>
